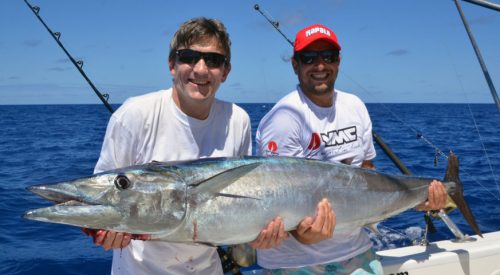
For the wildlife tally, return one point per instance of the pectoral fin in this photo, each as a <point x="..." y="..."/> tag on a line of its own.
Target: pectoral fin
<point x="236" y="196"/>
<point x="211" y="187"/>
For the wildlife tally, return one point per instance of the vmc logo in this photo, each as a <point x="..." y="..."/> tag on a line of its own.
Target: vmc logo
<point x="339" y="137"/>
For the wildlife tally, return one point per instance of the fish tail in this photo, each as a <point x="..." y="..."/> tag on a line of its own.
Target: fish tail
<point x="458" y="194"/>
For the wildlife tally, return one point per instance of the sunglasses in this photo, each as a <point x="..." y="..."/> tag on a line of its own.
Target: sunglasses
<point x="212" y="60"/>
<point x="308" y="57"/>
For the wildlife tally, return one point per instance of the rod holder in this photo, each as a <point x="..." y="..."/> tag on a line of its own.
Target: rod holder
<point x="460" y="237"/>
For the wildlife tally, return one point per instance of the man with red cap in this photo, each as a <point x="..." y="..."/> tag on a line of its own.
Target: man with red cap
<point x="319" y="122"/>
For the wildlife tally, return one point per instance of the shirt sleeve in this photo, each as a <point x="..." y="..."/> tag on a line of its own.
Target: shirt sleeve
<point x="279" y="133"/>
<point x="117" y="149"/>
<point x="368" y="147"/>
<point x="246" y="148"/>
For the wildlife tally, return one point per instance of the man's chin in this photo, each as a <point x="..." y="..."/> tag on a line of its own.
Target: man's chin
<point x="201" y="97"/>
<point x="323" y="89"/>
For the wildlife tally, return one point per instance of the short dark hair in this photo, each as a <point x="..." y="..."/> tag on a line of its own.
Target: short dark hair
<point x="199" y="29"/>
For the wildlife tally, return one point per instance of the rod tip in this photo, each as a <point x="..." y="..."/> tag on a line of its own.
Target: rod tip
<point x="256" y="7"/>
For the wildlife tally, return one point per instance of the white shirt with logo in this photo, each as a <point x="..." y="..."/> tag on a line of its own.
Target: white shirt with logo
<point x="297" y="127"/>
<point x="152" y="128"/>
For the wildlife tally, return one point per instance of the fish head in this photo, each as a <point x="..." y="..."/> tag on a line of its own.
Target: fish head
<point x="140" y="200"/>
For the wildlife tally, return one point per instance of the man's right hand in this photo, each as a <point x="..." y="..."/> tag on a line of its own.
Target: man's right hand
<point x="111" y="239"/>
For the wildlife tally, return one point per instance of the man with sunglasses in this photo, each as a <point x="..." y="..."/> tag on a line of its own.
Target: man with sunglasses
<point x="319" y="122"/>
<point x="184" y="122"/>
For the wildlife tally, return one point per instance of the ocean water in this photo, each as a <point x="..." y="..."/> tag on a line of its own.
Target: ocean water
<point x="49" y="143"/>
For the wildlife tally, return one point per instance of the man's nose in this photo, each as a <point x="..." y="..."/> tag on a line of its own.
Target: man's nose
<point x="200" y="66"/>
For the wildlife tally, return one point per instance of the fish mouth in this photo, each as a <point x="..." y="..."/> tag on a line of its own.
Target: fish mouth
<point x="72" y="208"/>
<point x="58" y="193"/>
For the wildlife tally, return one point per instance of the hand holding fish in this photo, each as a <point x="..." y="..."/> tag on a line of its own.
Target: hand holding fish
<point x="313" y="230"/>
<point x="436" y="199"/>
<point x="113" y="240"/>
<point x="271" y="236"/>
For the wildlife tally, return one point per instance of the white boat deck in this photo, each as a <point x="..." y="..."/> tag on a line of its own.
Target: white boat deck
<point x="480" y="257"/>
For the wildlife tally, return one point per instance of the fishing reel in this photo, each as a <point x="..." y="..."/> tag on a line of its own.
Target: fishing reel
<point x="233" y="258"/>
<point x="229" y="266"/>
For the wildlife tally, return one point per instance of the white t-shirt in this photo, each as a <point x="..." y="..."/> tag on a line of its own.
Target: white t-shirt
<point x="297" y="127"/>
<point x="152" y="128"/>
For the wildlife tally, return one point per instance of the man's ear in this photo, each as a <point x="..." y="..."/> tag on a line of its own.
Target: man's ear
<point x="227" y="69"/>
<point x="295" y="66"/>
<point x="171" y="66"/>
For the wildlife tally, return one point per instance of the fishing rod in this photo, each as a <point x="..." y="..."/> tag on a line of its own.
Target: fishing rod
<point x="476" y="50"/>
<point x="378" y="139"/>
<point x="275" y="24"/>
<point x="78" y="63"/>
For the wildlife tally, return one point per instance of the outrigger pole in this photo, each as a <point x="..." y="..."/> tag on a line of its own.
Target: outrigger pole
<point x="78" y="64"/>
<point x="387" y="150"/>
<point x="485" y="4"/>
<point x="476" y="48"/>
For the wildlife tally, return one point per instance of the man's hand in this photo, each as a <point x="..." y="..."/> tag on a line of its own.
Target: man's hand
<point x="368" y="164"/>
<point x="436" y="199"/>
<point x="270" y="236"/>
<point x="313" y="230"/>
<point x="113" y="240"/>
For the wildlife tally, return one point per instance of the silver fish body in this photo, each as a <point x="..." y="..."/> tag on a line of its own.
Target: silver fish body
<point x="226" y="201"/>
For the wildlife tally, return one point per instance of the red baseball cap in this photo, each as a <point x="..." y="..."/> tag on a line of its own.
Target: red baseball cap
<point x="314" y="33"/>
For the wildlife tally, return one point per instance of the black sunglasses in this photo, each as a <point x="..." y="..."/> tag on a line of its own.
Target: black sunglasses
<point x="212" y="60"/>
<point x="308" y="57"/>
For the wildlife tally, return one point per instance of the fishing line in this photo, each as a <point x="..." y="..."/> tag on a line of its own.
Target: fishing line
<point x="419" y="134"/>
<point x="403" y="234"/>
<point x="476" y="128"/>
<point x="437" y="150"/>
<point x="488" y="160"/>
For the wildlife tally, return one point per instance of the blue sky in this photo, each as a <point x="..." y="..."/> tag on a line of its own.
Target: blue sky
<point x="392" y="51"/>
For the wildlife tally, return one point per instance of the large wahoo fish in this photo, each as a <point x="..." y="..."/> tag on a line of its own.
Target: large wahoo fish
<point x="227" y="201"/>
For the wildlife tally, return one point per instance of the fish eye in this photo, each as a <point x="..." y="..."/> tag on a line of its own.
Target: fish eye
<point x="122" y="182"/>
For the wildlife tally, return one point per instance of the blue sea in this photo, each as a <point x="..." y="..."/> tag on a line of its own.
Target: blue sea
<point x="49" y="143"/>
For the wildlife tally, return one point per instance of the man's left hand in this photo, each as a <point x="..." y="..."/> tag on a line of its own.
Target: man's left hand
<point x="436" y="198"/>
<point x="313" y="230"/>
<point x="270" y="236"/>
